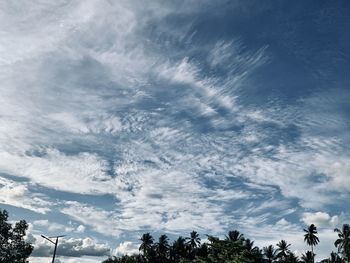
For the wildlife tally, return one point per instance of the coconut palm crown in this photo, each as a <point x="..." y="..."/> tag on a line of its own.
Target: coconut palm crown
<point x="310" y="237"/>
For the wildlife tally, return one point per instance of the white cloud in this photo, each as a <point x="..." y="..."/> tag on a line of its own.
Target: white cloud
<point x="282" y="222"/>
<point x="320" y="219"/>
<point x="313" y="182"/>
<point x="69" y="250"/>
<point x="17" y="194"/>
<point x="80" y="229"/>
<point x="94" y="217"/>
<point x="155" y="203"/>
<point x="82" y="173"/>
<point x="65" y="260"/>
<point x="126" y="248"/>
<point x="89" y="124"/>
<point x="208" y="90"/>
<point x="72" y="247"/>
<point x="52" y="226"/>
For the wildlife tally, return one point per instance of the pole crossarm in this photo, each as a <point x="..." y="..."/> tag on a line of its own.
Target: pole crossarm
<point x="55" y="243"/>
<point x="48" y="239"/>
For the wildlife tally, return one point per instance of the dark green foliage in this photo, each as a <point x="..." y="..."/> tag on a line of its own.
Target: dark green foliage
<point x="13" y="248"/>
<point x="308" y="257"/>
<point x="178" y="250"/>
<point x="146" y="247"/>
<point x="192" y="244"/>
<point x="343" y="242"/>
<point x="334" y="258"/>
<point x="291" y="258"/>
<point x="162" y="249"/>
<point x="282" y="250"/>
<point x="269" y="254"/>
<point x="234" y="236"/>
<point x="124" y="259"/>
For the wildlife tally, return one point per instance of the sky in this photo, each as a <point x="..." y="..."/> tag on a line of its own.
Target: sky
<point x="124" y="117"/>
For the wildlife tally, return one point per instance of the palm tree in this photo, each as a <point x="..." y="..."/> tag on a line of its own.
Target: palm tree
<point x="308" y="257"/>
<point x="334" y="258"/>
<point x="162" y="248"/>
<point x="282" y="250"/>
<point x="269" y="253"/>
<point x="193" y="243"/>
<point x="310" y="237"/>
<point x="202" y="251"/>
<point x="292" y="258"/>
<point x="249" y="245"/>
<point x="343" y="242"/>
<point x="178" y="249"/>
<point x="146" y="245"/>
<point x="234" y="236"/>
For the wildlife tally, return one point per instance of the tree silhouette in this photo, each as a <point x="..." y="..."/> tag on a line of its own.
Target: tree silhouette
<point x="203" y="251"/>
<point x="13" y="248"/>
<point x="193" y="242"/>
<point x="162" y="247"/>
<point x="249" y="244"/>
<point x="334" y="258"/>
<point x="124" y="259"/>
<point x="343" y="242"/>
<point x="308" y="257"/>
<point x="292" y="258"/>
<point x="146" y="245"/>
<point x="310" y="237"/>
<point x="282" y="250"/>
<point x="179" y="249"/>
<point x="269" y="253"/>
<point x="235" y="236"/>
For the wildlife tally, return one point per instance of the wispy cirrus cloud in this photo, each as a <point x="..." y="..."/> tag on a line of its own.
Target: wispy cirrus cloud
<point x="18" y="194"/>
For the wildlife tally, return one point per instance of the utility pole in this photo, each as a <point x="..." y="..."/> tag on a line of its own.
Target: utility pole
<point x="55" y="243"/>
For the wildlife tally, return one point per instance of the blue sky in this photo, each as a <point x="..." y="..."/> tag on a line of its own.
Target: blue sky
<point x="121" y="117"/>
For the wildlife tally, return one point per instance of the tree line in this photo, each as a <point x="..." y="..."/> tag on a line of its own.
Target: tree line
<point x="234" y="248"/>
